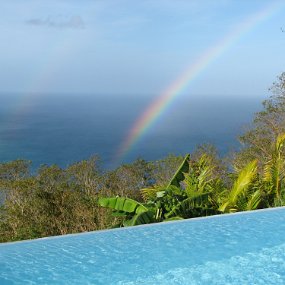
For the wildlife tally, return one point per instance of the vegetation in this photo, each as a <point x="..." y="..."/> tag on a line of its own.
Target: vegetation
<point x="266" y="126"/>
<point x="82" y="197"/>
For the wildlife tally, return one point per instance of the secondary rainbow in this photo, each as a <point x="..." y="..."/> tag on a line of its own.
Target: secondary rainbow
<point x="45" y="75"/>
<point x="158" y="106"/>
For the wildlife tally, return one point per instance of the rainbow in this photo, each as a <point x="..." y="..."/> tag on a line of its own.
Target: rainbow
<point x="158" y="106"/>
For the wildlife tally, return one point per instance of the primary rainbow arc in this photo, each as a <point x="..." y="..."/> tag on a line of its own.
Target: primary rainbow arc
<point x="158" y="106"/>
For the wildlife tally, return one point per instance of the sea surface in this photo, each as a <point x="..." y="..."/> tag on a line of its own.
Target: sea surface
<point x="62" y="129"/>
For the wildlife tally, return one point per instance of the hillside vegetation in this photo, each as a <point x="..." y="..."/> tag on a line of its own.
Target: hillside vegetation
<point x="82" y="197"/>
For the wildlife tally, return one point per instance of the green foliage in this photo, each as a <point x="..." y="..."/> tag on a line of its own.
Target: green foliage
<point x="192" y="206"/>
<point x="178" y="199"/>
<point x="55" y="201"/>
<point x="140" y="219"/>
<point x="14" y="170"/>
<point x="159" y="200"/>
<point x="274" y="171"/>
<point x="197" y="191"/>
<point x="151" y="193"/>
<point x="122" y="204"/>
<point x="134" y="212"/>
<point x="179" y="175"/>
<point x="200" y="175"/>
<point x="49" y="202"/>
<point x="267" y="125"/>
<point x="241" y="189"/>
<point x="253" y="201"/>
<point x="219" y="165"/>
<point x="162" y="170"/>
<point x="188" y="194"/>
<point x="128" y="179"/>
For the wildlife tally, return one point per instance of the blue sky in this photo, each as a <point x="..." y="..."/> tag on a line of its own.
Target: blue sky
<point x="136" y="47"/>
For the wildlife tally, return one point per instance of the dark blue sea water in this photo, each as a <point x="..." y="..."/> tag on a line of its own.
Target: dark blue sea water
<point x="62" y="129"/>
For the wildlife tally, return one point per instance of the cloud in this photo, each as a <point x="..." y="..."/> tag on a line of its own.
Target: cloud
<point x="60" y="22"/>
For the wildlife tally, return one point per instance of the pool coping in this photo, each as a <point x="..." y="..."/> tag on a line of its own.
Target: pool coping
<point x="142" y="226"/>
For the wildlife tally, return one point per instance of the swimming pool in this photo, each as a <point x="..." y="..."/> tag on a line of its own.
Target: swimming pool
<point x="242" y="248"/>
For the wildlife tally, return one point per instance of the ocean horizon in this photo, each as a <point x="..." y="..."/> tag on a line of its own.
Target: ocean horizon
<point x="63" y="129"/>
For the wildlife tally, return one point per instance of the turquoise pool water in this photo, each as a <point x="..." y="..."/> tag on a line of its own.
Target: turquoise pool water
<point x="244" y="248"/>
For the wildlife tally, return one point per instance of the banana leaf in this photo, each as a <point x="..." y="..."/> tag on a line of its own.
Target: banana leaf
<point x="121" y="204"/>
<point x="194" y="202"/>
<point x="179" y="175"/>
<point x="176" y="218"/>
<point x="140" y="219"/>
<point x="119" y="214"/>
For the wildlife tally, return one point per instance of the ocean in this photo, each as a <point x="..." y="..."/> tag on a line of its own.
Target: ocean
<point x="62" y="129"/>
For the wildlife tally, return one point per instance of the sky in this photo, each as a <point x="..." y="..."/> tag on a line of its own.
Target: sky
<point x="140" y="48"/>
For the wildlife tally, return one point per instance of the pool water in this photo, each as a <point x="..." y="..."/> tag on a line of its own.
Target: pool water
<point x="242" y="248"/>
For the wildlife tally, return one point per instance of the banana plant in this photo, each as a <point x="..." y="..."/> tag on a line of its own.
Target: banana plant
<point x="189" y="207"/>
<point x="165" y="198"/>
<point x="179" y="175"/>
<point x="187" y="194"/>
<point x="198" y="188"/>
<point x="134" y="213"/>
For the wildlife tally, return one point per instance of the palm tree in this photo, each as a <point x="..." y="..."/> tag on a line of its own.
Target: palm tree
<point x="274" y="172"/>
<point x="242" y="197"/>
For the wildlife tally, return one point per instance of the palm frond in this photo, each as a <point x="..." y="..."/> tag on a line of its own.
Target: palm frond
<point x="151" y="192"/>
<point x="267" y="171"/>
<point x="244" y="179"/>
<point x="280" y="142"/>
<point x="254" y="201"/>
<point x="274" y="169"/>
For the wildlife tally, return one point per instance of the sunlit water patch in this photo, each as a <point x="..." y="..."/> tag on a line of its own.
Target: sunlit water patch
<point x="247" y="248"/>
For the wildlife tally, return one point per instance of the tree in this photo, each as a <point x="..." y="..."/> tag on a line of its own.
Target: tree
<point x="52" y="201"/>
<point x="274" y="173"/>
<point x="189" y="193"/>
<point x="266" y="126"/>
<point x="162" y="170"/>
<point x="128" y="179"/>
<point x="136" y="213"/>
<point x="242" y="196"/>
<point x="86" y="176"/>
